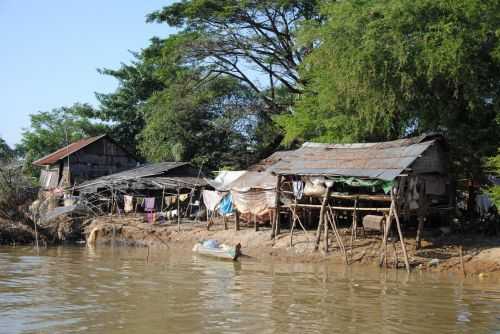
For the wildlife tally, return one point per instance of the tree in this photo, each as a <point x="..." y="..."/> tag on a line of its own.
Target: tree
<point x="385" y="69"/>
<point x="136" y="83"/>
<point x="211" y="124"/>
<point x="6" y="153"/>
<point x="238" y="37"/>
<point x="51" y="130"/>
<point x="493" y="164"/>
<point x="163" y="103"/>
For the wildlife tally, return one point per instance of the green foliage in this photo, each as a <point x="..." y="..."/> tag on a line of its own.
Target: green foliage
<point x="493" y="164"/>
<point x="16" y="190"/>
<point x="6" y="153"/>
<point x="136" y="83"/>
<point x="51" y="130"/>
<point x="211" y="124"/>
<point x="384" y="69"/>
<point x="238" y="37"/>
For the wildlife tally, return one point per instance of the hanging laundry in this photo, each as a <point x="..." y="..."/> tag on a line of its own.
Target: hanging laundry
<point x="212" y="199"/>
<point x="183" y="197"/>
<point x="129" y="203"/>
<point x="226" y="205"/>
<point x="149" y="203"/>
<point x="170" y="200"/>
<point x="298" y="189"/>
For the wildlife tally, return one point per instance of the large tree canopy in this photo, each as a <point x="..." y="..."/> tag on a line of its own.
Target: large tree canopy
<point x="383" y="69"/>
<point x="211" y="124"/>
<point x="168" y="109"/>
<point x="236" y="37"/>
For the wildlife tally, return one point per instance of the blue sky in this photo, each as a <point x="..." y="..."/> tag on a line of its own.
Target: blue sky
<point x="50" y="51"/>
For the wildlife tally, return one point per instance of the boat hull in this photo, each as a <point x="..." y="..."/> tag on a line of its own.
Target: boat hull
<point x="230" y="253"/>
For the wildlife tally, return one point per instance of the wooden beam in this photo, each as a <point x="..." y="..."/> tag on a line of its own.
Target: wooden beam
<point x="375" y="198"/>
<point x="321" y="217"/>
<point x="340" y="208"/>
<point x="276" y="223"/>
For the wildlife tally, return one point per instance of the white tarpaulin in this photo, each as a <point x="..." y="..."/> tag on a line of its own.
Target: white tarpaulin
<point x="254" y="192"/>
<point x="212" y="198"/>
<point x="255" y="201"/>
<point x="254" y="180"/>
<point x="224" y="179"/>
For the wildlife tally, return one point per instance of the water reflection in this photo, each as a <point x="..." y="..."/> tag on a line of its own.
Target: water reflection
<point x="125" y="290"/>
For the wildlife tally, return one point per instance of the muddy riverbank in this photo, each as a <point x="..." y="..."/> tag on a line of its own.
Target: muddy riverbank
<point x="480" y="255"/>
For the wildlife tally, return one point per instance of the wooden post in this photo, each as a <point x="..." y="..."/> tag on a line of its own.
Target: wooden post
<point x="293" y="222"/>
<point x="421" y="215"/>
<point x="276" y="222"/>
<point x="178" y="211"/>
<point x="354" y="223"/>
<point x="255" y="222"/>
<point x="36" y="233"/>
<point x="401" y="239"/>
<point x="326" y="236"/>
<point x="333" y="223"/>
<point x="321" y="217"/>
<point x="388" y="223"/>
<point x="224" y="221"/>
<point x="237" y="220"/>
<point x="162" y="199"/>
<point x="420" y="230"/>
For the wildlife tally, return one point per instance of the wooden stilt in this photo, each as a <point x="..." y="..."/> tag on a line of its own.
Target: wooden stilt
<point x="237" y="222"/>
<point x="255" y="222"/>
<point x="162" y="199"/>
<point x="35" y="221"/>
<point x="421" y="215"/>
<point x="276" y="221"/>
<point x="396" y="262"/>
<point x="402" y="240"/>
<point x="321" y="218"/>
<point x="354" y="223"/>
<point x="388" y="223"/>
<point x="178" y="201"/>
<point x="291" y="230"/>
<point x="326" y="236"/>
<point x="333" y="224"/>
<point x="420" y="231"/>
<point x="296" y="219"/>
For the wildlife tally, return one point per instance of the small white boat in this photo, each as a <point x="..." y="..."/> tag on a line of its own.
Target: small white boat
<point x="219" y="251"/>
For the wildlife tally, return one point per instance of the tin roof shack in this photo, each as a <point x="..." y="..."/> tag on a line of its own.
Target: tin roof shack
<point x="389" y="179"/>
<point x="83" y="160"/>
<point x="173" y="189"/>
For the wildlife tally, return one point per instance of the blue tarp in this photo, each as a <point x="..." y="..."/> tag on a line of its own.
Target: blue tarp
<point x="226" y="205"/>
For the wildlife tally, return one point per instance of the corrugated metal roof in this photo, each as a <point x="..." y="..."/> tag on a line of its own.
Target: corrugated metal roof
<point x="140" y="172"/>
<point x="269" y="161"/>
<point x="147" y="175"/>
<point x="64" y="152"/>
<point x="383" y="160"/>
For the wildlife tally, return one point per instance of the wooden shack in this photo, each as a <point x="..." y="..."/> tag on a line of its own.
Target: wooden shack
<point x="83" y="160"/>
<point x="392" y="180"/>
<point x="175" y="188"/>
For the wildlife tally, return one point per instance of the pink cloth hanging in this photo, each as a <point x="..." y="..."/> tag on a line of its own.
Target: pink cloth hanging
<point x="149" y="203"/>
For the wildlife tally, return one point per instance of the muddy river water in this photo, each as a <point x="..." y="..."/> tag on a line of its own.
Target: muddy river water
<point x="127" y="290"/>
